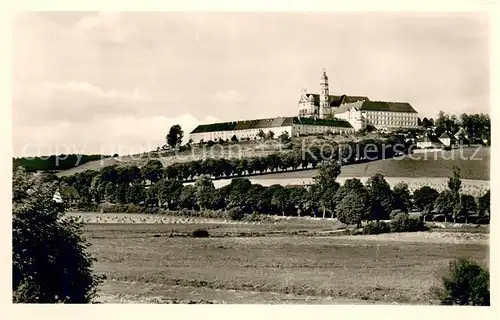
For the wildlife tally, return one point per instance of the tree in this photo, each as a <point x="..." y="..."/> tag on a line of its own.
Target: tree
<point x="50" y="261"/>
<point x="110" y="192"/>
<point x="261" y="134"/>
<point x="121" y="193"/>
<point x="270" y="135"/>
<point x="172" y="172"/>
<point x="258" y="199"/>
<point x="234" y="138"/>
<point x="444" y="203"/>
<point x="455" y="186"/>
<point x="381" y="197"/>
<point x="401" y="197"/>
<point x="284" y="137"/>
<point x="465" y="282"/>
<point x="468" y="206"/>
<point x="168" y="192"/>
<point x="353" y="208"/>
<point x="454" y="182"/>
<point x="203" y="191"/>
<point x="298" y="197"/>
<point x="274" y="161"/>
<point x="151" y="198"/>
<point x="326" y="186"/>
<point x="109" y="174"/>
<point x="424" y="199"/>
<point x="327" y="174"/>
<point x="187" y="198"/>
<point x="174" y="136"/>
<point x="97" y="188"/>
<point x="426" y="123"/>
<point x="279" y="198"/>
<point x="327" y="199"/>
<point x="152" y="170"/>
<point x="238" y="193"/>
<point x="218" y="199"/>
<point x="256" y="164"/>
<point x="483" y="205"/>
<point x="128" y="174"/>
<point x="136" y="193"/>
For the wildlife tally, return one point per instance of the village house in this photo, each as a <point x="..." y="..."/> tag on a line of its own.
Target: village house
<point x="447" y="139"/>
<point x="429" y="141"/>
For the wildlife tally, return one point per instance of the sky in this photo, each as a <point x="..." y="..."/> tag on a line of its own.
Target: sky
<point x="103" y="82"/>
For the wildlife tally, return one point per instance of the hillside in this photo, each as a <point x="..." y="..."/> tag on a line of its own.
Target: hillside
<point x="242" y="149"/>
<point x="435" y="164"/>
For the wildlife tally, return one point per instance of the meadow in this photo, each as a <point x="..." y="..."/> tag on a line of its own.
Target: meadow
<point x="272" y="263"/>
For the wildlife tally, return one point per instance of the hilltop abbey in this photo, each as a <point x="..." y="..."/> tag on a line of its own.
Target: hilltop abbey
<point x="318" y="113"/>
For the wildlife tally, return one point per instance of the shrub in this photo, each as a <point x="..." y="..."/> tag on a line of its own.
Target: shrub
<point x="200" y="233"/>
<point x="394" y="213"/>
<point x="256" y="217"/>
<point x="373" y="228"/>
<point x="236" y="214"/>
<point x="464" y="283"/>
<point x="403" y="222"/>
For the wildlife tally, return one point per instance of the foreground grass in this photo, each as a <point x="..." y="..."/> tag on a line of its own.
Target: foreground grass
<point x="274" y="269"/>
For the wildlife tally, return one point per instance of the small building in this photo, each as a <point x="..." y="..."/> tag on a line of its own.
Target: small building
<point x="447" y="139"/>
<point x="461" y="133"/>
<point x="429" y="141"/>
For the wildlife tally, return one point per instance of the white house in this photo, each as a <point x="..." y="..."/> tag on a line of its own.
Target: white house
<point x="429" y="141"/>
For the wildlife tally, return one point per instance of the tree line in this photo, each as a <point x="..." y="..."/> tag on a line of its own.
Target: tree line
<point x="154" y="171"/>
<point x="477" y="126"/>
<point x="55" y="162"/>
<point x="351" y="203"/>
<point x="348" y="153"/>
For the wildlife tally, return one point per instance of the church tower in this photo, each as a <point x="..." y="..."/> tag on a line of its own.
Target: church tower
<point x="324" y="96"/>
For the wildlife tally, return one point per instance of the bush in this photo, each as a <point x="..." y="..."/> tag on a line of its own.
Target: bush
<point x="373" y="228"/>
<point x="464" y="283"/>
<point x="403" y="222"/>
<point x="236" y="214"/>
<point x="394" y="213"/>
<point x="200" y="233"/>
<point x="256" y="217"/>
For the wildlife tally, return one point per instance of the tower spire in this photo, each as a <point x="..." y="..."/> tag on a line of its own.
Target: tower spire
<point x="324" y="96"/>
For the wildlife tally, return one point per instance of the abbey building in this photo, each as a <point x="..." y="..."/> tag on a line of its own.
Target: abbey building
<point x="318" y="113"/>
<point x="359" y="111"/>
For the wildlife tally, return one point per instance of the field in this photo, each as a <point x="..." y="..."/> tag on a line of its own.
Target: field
<point x="157" y="263"/>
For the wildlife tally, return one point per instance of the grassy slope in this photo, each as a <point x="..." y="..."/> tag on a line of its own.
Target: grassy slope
<point x="440" y="165"/>
<point x="264" y="269"/>
<point x="91" y="165"/>
<point x="429" y="165"/>
<point x="232" y="150"/>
